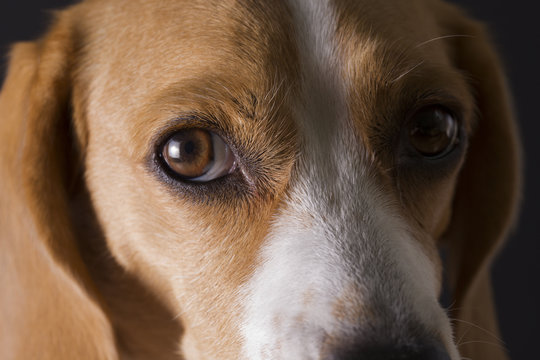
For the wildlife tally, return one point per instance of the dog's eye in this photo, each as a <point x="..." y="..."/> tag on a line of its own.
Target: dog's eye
<point x="197" y="155"/>
<point x="433" y="132"/>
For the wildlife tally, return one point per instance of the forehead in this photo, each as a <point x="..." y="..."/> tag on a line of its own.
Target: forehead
<point x="173" y="55"/>
<point x="147" y="46"/>
<point x="198" y="36"/>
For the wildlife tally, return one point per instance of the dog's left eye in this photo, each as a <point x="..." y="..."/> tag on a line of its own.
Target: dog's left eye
<point x="433" y="132"/>
<point x="197" y="155"/>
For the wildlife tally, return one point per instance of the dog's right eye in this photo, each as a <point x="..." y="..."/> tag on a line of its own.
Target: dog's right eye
<point x="197" y="155"/>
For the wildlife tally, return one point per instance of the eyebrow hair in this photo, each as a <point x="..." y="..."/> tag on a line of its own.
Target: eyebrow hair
<point x="248" y="108"/>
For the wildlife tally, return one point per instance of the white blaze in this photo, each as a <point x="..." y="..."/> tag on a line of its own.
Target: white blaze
<point x="335" y="227"/>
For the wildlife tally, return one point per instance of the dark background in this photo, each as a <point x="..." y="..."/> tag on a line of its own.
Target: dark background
<point x="515" y="30"/>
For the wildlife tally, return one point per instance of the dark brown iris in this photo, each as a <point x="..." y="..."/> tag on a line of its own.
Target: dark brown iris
<point x="433" y="131"/>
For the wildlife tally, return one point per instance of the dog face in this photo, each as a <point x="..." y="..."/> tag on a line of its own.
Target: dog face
<point x="280" y="174"/>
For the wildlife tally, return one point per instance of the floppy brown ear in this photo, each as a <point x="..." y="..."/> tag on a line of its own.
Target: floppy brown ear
<point x="48" y="311"/>
<point x="487" y="191"/>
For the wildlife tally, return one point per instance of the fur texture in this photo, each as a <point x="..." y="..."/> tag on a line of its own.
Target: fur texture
<point x="324" y="238"/>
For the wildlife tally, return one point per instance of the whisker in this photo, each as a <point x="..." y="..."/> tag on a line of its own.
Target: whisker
<point x="450" y="308"/>
<point x="482" y="342"/>
<point x="460" y="340"/>
<point x="442" y="38"/>
<point x="407" y="72"/>
<point x="480" y="328"/>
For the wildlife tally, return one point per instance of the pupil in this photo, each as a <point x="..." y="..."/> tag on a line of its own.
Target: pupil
<point x="189" y="148"/>
<point x="433" y="124"/>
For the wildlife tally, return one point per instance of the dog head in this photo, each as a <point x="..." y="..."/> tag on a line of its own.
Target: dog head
<point x="278" y="175"/>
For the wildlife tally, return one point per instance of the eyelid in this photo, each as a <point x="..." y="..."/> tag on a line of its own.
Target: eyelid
<point x="438" y="98"/>
<point x="185" y="122"/>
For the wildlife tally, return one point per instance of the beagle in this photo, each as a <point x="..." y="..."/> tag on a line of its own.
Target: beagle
<point x="242" y="179"/>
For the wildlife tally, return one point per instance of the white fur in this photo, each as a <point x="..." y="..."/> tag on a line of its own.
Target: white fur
<point x="337" y="231"/>
<point x="297" y="263"/>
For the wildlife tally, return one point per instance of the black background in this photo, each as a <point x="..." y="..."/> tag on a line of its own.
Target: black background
<point x="515" y="29"/>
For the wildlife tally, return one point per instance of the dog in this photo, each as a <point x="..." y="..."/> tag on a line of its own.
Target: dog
<point x="254" y="180"/>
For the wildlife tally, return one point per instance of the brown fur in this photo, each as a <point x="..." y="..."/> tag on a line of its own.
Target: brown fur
<point x="98" y="256"/>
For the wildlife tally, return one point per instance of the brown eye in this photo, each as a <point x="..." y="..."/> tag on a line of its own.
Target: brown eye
<point x="198" y="155"/>
<point x="433" y="132"/>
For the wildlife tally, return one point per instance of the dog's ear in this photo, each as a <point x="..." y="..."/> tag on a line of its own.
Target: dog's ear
<point x="487" y="192"/>
<point x="48" y="310"/>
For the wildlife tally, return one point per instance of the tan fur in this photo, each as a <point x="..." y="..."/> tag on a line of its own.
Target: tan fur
<point x="100" y="257"/>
